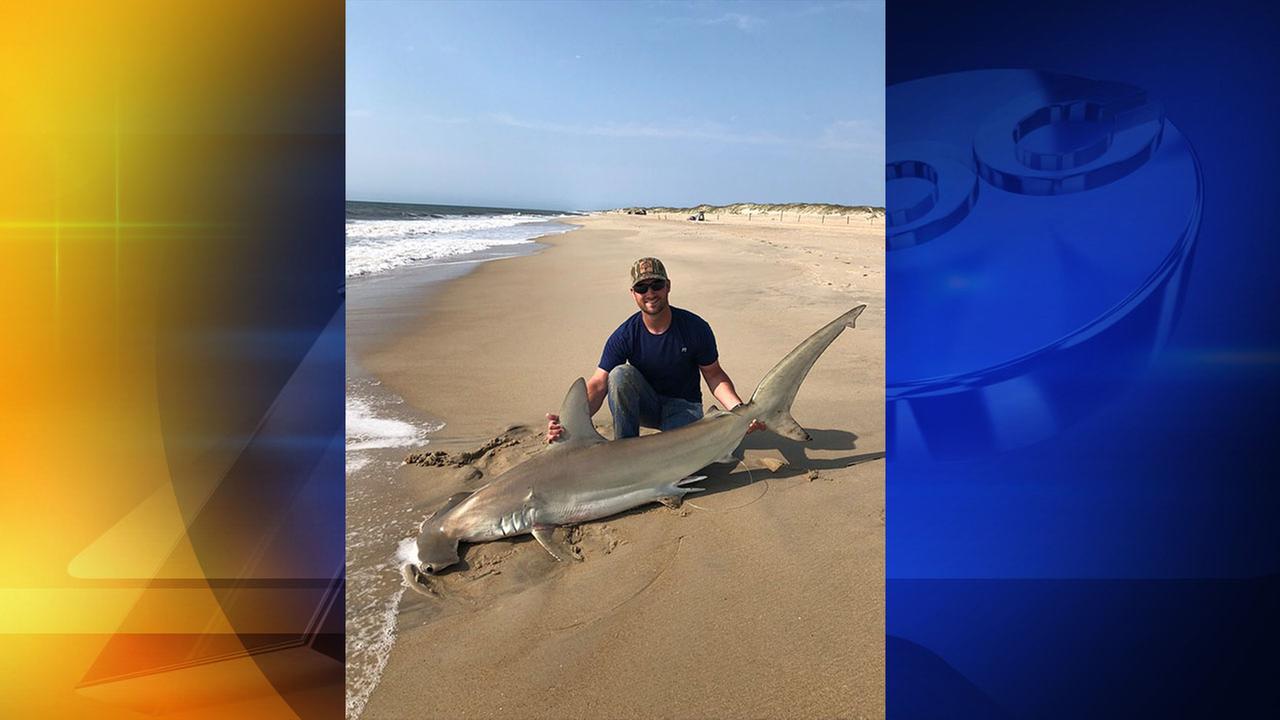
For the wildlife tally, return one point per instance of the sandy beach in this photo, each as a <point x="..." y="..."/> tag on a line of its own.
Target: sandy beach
<point x="760" y="598"/>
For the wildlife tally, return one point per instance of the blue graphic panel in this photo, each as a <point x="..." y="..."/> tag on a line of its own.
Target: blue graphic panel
<point x="1081" y="361"/>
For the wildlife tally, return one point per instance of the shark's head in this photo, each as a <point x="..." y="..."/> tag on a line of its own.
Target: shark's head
<point x="436" y="550"/>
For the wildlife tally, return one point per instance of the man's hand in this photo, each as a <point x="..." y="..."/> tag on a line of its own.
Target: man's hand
<point x="755" y="424"/>
<point x="554" y="428"/>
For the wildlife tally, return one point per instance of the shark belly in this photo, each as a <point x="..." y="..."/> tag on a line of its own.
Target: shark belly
<point x="600" y="505"/>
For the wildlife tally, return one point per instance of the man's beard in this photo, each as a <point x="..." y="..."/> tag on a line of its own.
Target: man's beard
<point x="660" y="305"/>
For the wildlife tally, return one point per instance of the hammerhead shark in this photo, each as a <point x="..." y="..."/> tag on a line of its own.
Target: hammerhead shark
<point x="584" y="477"/>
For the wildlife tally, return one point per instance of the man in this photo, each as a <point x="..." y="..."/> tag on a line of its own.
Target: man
<point x="650" y="365"/>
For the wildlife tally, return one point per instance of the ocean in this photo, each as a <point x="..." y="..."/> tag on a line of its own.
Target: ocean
<point x="386" y="236"/>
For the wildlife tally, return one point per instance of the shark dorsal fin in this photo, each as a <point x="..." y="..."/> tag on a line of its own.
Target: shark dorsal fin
<point x="575" y="417"/>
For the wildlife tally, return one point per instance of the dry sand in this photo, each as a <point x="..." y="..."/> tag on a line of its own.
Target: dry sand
<point x="763" y="597"/>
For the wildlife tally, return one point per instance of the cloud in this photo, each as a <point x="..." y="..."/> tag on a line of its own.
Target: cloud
<point x="444" y="119"/>
<point x="706" y="132"/>
<point x="736" y="20"/>
<point x="745" y="23"/>
<point x="864" y="6"/>
<point x="778" y="12"/>
<point x="852" y="136"/>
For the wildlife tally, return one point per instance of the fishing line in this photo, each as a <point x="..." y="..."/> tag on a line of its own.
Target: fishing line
<point x="750" y="481"/>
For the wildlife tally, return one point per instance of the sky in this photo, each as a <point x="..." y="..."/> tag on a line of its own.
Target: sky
<point x="597" y="105"/>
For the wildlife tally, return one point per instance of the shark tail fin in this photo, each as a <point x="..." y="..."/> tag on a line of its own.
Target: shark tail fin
<point x="771" y="402"/>
<point x="851" y="317"/>
<point x="778" y="420"/>
<point x="787" y="427"/>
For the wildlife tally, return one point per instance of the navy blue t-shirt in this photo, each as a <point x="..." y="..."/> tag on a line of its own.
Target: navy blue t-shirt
<point x="668" y="361"/>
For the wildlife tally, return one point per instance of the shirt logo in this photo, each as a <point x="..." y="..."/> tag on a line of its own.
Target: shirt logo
<point x="683" y="349"/>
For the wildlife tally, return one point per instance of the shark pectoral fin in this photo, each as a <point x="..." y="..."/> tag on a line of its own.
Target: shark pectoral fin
<point x="787" y="427"/>
<point x="559" y="549"/>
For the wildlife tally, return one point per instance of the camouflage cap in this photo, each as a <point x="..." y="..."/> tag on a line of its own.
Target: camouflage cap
<point x="647" y="269"/>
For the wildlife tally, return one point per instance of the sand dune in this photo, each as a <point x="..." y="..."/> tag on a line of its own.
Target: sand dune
<point x="765" y="209"/>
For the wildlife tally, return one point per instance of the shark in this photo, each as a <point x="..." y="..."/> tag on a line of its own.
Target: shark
<point x="584" y="477"/>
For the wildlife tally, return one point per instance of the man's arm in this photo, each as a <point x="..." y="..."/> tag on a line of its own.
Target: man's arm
<point x="722" y="389"/>
<point x="720" y="384"/>
<point x="597" y="389"/>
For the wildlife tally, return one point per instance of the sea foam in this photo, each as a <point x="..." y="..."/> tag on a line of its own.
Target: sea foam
<point x="375" y="246"/>
<point x="369" y="428"/>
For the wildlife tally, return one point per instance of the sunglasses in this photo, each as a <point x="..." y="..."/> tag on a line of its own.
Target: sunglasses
<point x="642" y="288"/>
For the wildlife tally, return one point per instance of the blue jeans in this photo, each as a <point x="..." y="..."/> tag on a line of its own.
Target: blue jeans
<point x="634" y="403"/>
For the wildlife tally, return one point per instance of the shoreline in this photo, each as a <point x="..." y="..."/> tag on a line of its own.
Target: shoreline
<point x="380" y="506"/>
<point x="380" y="305"/>
<point x="661" y="595"/>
